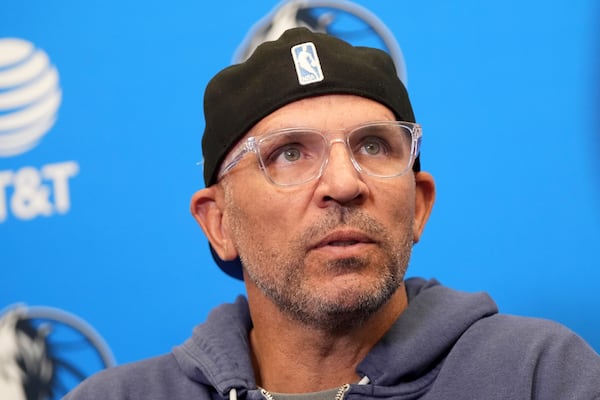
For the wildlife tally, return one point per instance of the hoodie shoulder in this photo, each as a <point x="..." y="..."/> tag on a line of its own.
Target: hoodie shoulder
<point x="450" y="343"/>
<point x="210" y="363"/>
<point x="513" y="355"/>
<point x="156" y="378"/>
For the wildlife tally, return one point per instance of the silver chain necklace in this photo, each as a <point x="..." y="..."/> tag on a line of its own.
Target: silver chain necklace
<point x="338" y="396"/>
<point x="342" y="391"/>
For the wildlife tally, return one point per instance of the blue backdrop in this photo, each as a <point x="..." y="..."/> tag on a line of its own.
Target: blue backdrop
<point x="94" y="216"/>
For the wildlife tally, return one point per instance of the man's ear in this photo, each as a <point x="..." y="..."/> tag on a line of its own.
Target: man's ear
<point x="207" y="208"/>
<point x="424" y="199"/>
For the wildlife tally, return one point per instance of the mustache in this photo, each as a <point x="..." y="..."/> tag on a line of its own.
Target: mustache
<point x="343" y="217"/>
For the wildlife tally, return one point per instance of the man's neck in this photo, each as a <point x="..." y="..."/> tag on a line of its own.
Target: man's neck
<point x="290" y="357"/>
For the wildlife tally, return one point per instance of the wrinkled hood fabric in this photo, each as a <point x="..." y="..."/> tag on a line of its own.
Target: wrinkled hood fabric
<point x="446" y="345"/>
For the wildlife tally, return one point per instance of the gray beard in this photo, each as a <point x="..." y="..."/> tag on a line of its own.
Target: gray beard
<point x="310" y="308"/>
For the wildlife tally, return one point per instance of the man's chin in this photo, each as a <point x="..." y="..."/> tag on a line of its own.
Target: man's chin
<point x="342" y="307"/>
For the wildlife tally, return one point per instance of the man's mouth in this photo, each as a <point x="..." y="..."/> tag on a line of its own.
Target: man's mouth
<point x="343" y="239"/>
<point x="342" y="243"/>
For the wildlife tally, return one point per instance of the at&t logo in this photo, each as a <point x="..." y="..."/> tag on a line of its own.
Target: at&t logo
<point x="30" y="96"/>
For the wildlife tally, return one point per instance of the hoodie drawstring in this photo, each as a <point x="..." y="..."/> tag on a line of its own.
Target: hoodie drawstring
<point x="233" y="394"/>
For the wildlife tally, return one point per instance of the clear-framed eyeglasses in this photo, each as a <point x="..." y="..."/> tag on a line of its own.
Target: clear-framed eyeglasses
<point x="293" y="156"/>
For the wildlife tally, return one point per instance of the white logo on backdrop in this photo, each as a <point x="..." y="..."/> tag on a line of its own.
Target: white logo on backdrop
<point x="341" y="18"/>
<point x="29" y="99"/>
<point x="45" y="352"/>
<point x="29" y="96"/>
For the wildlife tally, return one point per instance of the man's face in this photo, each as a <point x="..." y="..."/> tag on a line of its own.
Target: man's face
<point x="329" y="251"/>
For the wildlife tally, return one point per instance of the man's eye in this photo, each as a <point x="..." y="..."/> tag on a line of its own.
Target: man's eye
<point x="373" y="146"/>
<point x="291" y="154"/>
<point x="285" y="154"/>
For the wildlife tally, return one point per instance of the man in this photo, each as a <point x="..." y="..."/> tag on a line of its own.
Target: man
<point x="315" y="198"/>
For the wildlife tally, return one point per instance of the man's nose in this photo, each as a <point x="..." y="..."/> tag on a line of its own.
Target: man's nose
<point x="341" y="182"/>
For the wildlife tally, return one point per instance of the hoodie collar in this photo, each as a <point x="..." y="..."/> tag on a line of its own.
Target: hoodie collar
<point x="218" y="353"/>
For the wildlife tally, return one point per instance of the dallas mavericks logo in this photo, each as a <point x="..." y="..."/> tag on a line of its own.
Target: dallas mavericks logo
<point x="340" y="18"/>
<point x="308" y="66"/>
<point x="29" y="96"/>
<point x="45" y="352"/>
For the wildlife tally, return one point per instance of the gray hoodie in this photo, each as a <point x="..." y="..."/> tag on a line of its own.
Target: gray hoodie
<point x="446" y="345"/>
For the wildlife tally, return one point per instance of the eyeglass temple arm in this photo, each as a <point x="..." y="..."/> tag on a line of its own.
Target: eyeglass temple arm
<point x="249" y="146"/>
<point x="418" y="137"/>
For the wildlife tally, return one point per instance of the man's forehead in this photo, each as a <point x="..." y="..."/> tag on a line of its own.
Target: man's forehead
<point x="333" y="111"/>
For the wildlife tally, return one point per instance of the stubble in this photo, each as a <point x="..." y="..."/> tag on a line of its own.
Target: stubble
<point x="281" y="273"/>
